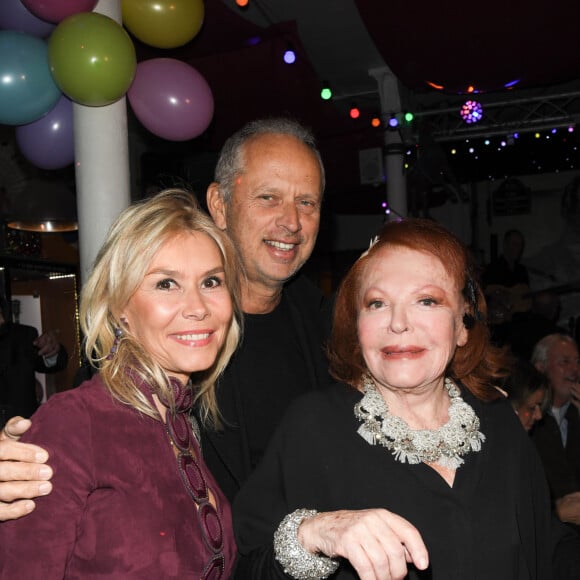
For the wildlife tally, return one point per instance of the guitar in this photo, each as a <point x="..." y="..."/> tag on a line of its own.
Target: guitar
<point x="504" y="301"/>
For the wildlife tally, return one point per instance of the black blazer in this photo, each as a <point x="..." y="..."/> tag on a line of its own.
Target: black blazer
<point x="19" y="360"/>
<point x="562" y="464"/>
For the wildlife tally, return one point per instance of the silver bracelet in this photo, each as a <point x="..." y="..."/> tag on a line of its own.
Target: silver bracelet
<point x="295" y="560"/>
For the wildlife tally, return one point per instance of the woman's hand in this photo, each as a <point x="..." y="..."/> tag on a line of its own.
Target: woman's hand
<point x="379" y="544"/>
<point x="23" y="473"/>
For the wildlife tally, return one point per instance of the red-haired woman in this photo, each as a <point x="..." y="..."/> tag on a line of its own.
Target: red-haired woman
<point x="416" y="429"/>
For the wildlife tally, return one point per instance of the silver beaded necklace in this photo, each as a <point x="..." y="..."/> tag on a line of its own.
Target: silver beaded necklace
<point x="444" y="446"/>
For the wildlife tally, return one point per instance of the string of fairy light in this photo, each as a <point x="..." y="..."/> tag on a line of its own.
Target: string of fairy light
<point x="482" y="139"/>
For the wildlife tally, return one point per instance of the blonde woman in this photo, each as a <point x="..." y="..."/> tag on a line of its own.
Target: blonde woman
<point x="132" y="496"/>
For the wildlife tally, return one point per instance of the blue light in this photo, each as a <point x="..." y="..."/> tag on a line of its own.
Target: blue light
<point x="393" y="122"/>
<point x="289" y="56"/>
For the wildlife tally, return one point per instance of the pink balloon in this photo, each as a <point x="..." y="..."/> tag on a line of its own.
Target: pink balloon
<point x="49" y="142"/>
<point x="171" y="99"/>
<point x="57" y="10"/>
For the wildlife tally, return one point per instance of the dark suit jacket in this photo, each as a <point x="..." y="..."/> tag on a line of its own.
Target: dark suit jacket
<point x="19" y="360"/>
<point x="227" y="452"/>
<point x="562" y="464"/>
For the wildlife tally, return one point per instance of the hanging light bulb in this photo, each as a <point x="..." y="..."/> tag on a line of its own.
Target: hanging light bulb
<point x="289" y="55"/>
<point x="354" y="112"/>
<point x="326" y="92"/>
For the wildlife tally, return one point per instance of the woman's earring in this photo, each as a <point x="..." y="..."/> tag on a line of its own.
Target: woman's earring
<point x="115" y="345"/>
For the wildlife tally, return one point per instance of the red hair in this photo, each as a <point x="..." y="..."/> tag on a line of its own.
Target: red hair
<point x="477" y="364"/>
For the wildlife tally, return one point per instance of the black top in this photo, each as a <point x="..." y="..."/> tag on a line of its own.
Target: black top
<point x="499" y="272"/>
<point x="494" y="523"/>
<point x="280" y="357"/>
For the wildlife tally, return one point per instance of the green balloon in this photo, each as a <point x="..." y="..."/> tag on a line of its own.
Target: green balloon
<point x="92" y="59"/>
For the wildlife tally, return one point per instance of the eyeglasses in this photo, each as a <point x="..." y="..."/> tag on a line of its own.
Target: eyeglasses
<point x="180" y="433"/>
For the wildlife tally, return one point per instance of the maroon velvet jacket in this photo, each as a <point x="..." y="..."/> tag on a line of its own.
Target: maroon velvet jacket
<point x="118" y="509"/>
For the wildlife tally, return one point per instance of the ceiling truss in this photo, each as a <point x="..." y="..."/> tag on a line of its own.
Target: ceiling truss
<point x="504" y="117"/>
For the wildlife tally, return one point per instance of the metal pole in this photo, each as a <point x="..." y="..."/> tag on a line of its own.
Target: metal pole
<point x="394" y="147"/>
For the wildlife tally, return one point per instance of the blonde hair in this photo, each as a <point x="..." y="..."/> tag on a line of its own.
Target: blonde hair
<point x="119" y="269"/>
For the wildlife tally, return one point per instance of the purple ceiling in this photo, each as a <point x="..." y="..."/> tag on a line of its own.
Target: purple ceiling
<point x="485" y="44"/>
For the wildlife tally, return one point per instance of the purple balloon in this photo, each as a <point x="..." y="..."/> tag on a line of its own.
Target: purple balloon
<point x="171" y="99"/>
<point x="15" y="16"/>
<point x="49" y="142"/>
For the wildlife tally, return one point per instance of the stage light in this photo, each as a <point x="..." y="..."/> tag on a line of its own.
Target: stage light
<point x="326" y="92"/>
<point x="471" y="112"/>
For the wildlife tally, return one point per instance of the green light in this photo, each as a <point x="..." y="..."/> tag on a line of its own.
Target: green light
<point x="409" y="117"/>
<point x="326" y="93"/>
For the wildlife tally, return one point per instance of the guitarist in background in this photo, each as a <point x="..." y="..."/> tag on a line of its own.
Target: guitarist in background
<point x="560" y="261"/>
<point x="505" y="280"/>
<point x="517" y="316"/>
<point x="506" y="270"/>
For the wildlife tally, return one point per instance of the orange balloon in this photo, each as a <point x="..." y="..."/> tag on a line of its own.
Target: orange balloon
<point x="163" y="23"/>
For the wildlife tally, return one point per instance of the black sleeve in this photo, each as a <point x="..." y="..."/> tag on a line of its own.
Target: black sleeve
<point x="287" y="478"/>
<point x="61" y="362"/>
<point x="258" y="509"/>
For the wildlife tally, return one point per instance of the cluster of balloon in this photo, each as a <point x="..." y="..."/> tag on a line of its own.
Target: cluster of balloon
<point x="56" y="52"/>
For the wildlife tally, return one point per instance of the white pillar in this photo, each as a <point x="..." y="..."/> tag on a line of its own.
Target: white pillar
<point x="101" y="164"/>
<point x="394" y="147"/>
